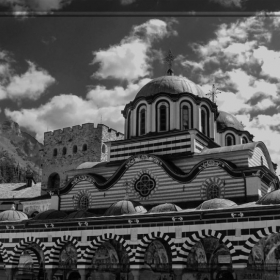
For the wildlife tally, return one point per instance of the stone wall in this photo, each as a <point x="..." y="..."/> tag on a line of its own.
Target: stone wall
<point x="87" y="134"/>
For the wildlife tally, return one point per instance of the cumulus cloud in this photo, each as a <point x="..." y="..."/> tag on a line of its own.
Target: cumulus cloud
<point x="24" y="7"/>
<point x="131" y="58"/>
<point x="30" y="85"/>
<point x="229" y="3"/>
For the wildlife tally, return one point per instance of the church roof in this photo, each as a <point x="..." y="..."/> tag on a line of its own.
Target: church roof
<point x="125" y="207"/>
<point x="270" y="198"/>
<point x="170" y="84"/>
<point x="50" y="214"/>
<point x="80" y="214"/>
<point x="86" y="165"/>
<point x="226" y="120"/>
<point x="216" y="203"/>
<point x="166" y="207"/>
<point x="13" y="215"/>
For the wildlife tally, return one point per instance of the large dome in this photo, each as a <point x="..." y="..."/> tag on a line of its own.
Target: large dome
<point x="170" y="84"/>
<point x="125" y="207"/>
<point x="226" y="120"/>
<point x="166" y="207"/>
<point x="50" y="214"/>
<point x="216" y="203"/>
<point x="13" y="215"/>
<point x="80" y="214"/>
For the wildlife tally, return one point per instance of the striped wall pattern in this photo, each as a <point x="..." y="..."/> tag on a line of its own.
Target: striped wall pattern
<point x="35" y="260"/>
<point x="57" y="248"/>
<point x="255" y="160"/>
<point x="250" y="243"/>
<point x="146" y="241"/>
<point x="198" y="146"/>
<point x="94" y="245"/>
<point x="168" y="145"/>
<point x="191" y="241"/>
<point x="168" y="190"/>
<point x="23" y="245"/>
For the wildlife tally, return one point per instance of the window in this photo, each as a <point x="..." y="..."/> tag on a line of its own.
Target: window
<point x="186" y="116"/>
<point x="261" y="160"/>
<point x="162" y="118"/>
<point x="213" y="191"/>
<point x="230" y="140"/>
<point x="103" y="149"/>
<point x="204" y="121"/>
<point x="84" y="202"/>
<point x="54" y="181"/>
<point x="75" y="149"/>
<point x="84" y="147"/>
<point x="64" y="151"/>
<point x="244" y="140"/>
<point x="142" y="121"/>
<point x="144" y="185"/>
<point x="55" y="152"/>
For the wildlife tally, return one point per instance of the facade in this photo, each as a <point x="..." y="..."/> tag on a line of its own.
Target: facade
<point x="185" y="194"/>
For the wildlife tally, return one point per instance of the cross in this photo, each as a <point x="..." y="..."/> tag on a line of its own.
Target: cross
<point x="213" y="93"/>
<point x="169" y="58"/>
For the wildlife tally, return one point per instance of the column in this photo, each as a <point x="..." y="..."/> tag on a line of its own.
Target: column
<point x="83" y="274"/>
<point x="136" y="274"/>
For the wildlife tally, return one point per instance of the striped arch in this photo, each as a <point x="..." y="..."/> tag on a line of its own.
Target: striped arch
<point x="59" y="243"/>
<point x="146" y="241"/>
<point x="98" y="240"/>
<point x="3" y="253"/>
<point x="254" y="239"/>
<point x="35" y="261"/>
<point x="24" y="244"/>
<point x="199" y="235"/>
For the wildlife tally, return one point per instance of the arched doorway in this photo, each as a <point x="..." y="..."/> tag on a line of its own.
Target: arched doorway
<point x="54" y="181"/>
<point x="74" y="275"/>
<point x="67" y="266"/>
<point x="210" y="259"/>
<point x="157" y="261"/>
<point x="31" y="263"/>
<point x="110" y="261"/>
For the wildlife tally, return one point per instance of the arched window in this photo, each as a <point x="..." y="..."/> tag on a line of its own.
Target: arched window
<point x="186" y="116"/>
<point x="84" y="147"/>
<point x="244" y="140"/>
<point x="55" y="152"/>
<point x="64" y="151"/>
<point x="103" y="149"/>
<point x="142" y="121"/>
<point x="230" y="140"/>
<point x="128" y="124"/>
<point x="83" y="203"/>
<point x="75" y="149"/>
<point x="162" y="118"/>
<point x="261" y="160"/>
<point x="204" y="121"/>
<point x="54" y="181"/>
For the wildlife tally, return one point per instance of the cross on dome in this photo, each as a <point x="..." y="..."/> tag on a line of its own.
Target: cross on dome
<point x="213" y="93"/>
<point x="169" y="59"/>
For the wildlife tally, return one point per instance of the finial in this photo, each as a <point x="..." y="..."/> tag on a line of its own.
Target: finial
<point x="169" y="59"/>
<point x="126" y="185"/>
<point x="13" y="207"/>
<point x="213" y="93"/>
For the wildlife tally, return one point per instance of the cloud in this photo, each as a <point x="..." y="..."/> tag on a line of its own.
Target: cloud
<point x="30" y="85"/>
<point x="131" y="58"/>
<point x="229" y="3"/>
<point x="24" y="7"/>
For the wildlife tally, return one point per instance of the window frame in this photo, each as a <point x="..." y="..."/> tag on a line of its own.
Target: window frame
<point x="230" y="135"/>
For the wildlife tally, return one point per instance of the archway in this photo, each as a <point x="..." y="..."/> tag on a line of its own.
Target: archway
<point x="54" y="181"/>
<point x="211" y="259"/>
<point x="74" y="275"/>
<point x="110" y="260"/>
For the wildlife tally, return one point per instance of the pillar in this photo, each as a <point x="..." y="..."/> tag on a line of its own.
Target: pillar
<point x="83" y="274"/>
<point x="136" y="274"/>
<point x="10" y="272"/>
<point x="49" y="274"/>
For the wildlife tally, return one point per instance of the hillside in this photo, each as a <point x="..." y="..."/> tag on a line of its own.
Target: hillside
<point x="18" y="150"/>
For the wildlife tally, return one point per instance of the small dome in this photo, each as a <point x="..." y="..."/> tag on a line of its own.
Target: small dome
<point x="170" y="84"/>
<point x="13" y="215"/>
<point x="270" y="198"/>
<point x="216" y="203"/>
<point x="50" y="214"/>
<point x="125" y="207"/>
<point x="226" y="120"/>
<point x="166" y="207"/>
<point x="80" y="214"/>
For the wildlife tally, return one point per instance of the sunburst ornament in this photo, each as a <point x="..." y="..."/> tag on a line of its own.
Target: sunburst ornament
<point x="212" y="188"/>
<point x="82" y="200"/>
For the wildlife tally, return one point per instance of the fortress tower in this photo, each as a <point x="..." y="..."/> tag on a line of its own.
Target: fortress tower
<point x="67" y="148"/>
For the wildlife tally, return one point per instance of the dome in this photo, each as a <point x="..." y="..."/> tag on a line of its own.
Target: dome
<point x="270" y="198"/>
<point x="166" y="207"/>
<point x="80" y="214"/>
<point x="50" y="214"/>
<point x="13" y="215"/>
<point x="216" y="203"/>
<point x="125" y="207"/>
<point x="170" y="84"/>
<point x="226" y="120"/>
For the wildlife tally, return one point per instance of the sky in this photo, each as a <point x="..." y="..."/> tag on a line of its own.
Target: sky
<point x="60" y="70"/>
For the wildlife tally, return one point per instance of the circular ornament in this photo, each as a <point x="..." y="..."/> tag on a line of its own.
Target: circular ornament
<point x="83" y="200"/>
<point x="212" y="188"/>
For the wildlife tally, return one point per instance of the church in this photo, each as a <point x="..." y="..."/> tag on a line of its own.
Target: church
<point x="184" y="194"/>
